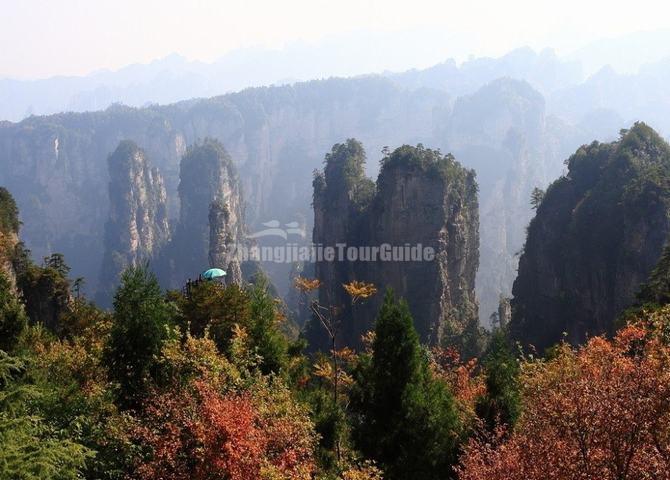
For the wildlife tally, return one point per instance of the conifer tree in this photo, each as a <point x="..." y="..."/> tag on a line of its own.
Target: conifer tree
<point x="501" y="404"/>
<point x="29" y="446"/>
<point x="407" y="422"/>
<point x="656" y="291"/>
<point x="140" y="325"/>
<point x="266" y="337"/>
<point x="12" y="317"/>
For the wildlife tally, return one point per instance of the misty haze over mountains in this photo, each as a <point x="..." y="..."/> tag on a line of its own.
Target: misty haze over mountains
<point x="513" y="119"/>
<point x="622" y="69"/>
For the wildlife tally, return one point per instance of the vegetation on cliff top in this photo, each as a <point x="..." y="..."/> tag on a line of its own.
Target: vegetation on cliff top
<point x="427" y="160"/>
<point x="9" y="213"/>
<point x="597" y="235"/>
<point x="344" y="171"/>
<point x="349" y="208"/>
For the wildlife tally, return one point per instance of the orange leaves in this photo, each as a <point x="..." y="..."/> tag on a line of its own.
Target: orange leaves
<point x="325" y="369"/>
<point x="290" y="434"/>
<point x="306" y="285"/>
<point x="229" y="438"/>
<point x="599" y="412"/>
<point x="346" y="355"/>
<point x="359" y="290"/>
<point x="461" y="377"/>
<point x="368" y="340"/>
<point x="200" y="434"/>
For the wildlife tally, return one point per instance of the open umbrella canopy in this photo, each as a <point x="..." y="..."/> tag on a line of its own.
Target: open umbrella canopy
<point x="213" y="273"/>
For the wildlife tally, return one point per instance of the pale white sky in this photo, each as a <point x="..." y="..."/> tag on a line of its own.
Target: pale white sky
<point x="42" y="38"/>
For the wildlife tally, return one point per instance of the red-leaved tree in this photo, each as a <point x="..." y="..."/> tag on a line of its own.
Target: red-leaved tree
<point x="600" y="412"/>
<point x="200" y="434"/>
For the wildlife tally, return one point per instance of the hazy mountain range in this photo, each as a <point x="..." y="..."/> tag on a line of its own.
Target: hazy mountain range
<point x="638" y="57"/>
<point x="513" y="119"/>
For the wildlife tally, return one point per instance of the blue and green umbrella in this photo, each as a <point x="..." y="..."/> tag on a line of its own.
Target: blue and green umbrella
<point x="213" y="273"/>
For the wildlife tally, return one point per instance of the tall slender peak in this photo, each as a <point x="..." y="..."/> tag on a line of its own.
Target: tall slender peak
<point x="598" y="233"/>
<point x="427" y="198"/>
<point x="206" y="175"/>
<point x="211" y="220"/>
<point x="422" y="200"/>
<point x="137" y="225"/>
<point x="340" y="191"/>
<point x="225" y="235"/>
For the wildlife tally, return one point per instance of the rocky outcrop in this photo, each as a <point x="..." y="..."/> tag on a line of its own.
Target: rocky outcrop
<point x="40" y="292"/>
<point x="137" y="227"/>
<point x="225" y="235"/>
<point x="211" y="219"/>
<point x="598" y="233"/>
<point x="9" y="236"/>
<point x="56" y="165"/>
<point x="424" y="207"/>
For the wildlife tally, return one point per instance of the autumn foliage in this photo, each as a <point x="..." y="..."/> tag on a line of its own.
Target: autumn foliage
<point x="359" y="290"/>
<point x="461" y="376"/>
<point x="599" y="412"/>
<point x="306" y="284"/>
<point x="203" y="435"/>
<point x="210" y="389"/>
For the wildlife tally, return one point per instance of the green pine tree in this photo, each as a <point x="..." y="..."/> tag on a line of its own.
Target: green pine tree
<point x="9" y="213"/>
<point x="140" y="325"/>
<point x="13" y="320"/>
<point x="266" y="336"/>
<point x="408" y="421"/>
<point x="30" y="448"/>
<point x="501" y="404"/>
<point x="656" y="291"/>
<point x="214" y="309"/>
<point x="536" y="197"/>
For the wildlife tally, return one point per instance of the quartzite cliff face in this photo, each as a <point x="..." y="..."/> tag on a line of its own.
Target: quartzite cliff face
<point x="9" y="235"/>
<point x="44" y="292"/>
<point x="421" y="198"/>
<point x="56" y="165"/>
<point x="597" y="235"/>
<point x="210" y="219"/>
<point x="137" y="227"/>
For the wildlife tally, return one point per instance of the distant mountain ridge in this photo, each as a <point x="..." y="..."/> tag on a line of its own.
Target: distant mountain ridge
<point x="174" y="78"/>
